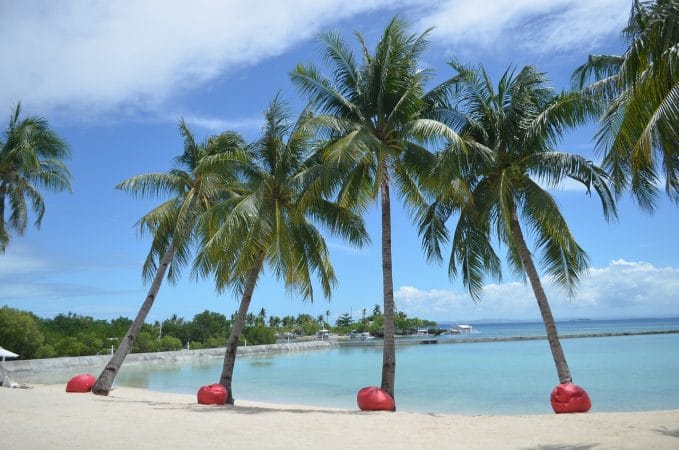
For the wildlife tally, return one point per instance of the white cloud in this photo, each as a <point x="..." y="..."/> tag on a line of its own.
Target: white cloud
<point x="119" y="55"/>
<point x="622" y="289"/>
<point x="27" y="275"/>
<point x="537" y="26"/>
<point x="216" y="124"/>
<point x="17" y="261"/>
<point x="124" y="57"/>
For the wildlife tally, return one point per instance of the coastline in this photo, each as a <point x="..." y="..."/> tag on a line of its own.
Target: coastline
<point x="48" y="417"/>
<point x="24" y="367"/>
<point x="19" y="368"/>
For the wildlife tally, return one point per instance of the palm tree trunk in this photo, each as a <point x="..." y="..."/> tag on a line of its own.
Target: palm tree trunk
<point x="234" y="335"/>
<point x="546" y="312"/>
<point x="4" y="235"/>
<point x="389" y="350"/>
<point x="105" y="380"/>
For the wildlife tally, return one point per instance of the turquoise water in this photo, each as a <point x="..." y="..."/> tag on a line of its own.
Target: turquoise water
<point x="625" y="373"/>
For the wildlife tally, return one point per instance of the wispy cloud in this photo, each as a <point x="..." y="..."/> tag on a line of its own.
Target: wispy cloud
<point x="622" y="289"/>
<point x="25" y="275"/>
<point x="217" y="124"/>
<point x="535" y="26"/>
<point x="18" y="261"/>
<point x="115" y="55"/>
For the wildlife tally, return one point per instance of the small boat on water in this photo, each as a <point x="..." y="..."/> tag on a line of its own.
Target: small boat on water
<point x="461" y="329"/>
<point x="422" y="332"/>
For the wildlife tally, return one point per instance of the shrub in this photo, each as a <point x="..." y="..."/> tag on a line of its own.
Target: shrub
<point x="258" y="335"/>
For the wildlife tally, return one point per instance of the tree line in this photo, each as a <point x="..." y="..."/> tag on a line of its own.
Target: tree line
<point x="75" y="335"/>
<point x="469" y="158"/>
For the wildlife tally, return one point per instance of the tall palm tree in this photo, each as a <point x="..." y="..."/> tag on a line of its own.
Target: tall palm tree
<point x="638" y="133"/>
<point x="496" y="192"/>
<point x="193" y="187"/>
<point x="270" y="221"/>
<point x="374" y="117"/>
<point x="30" y="157"/>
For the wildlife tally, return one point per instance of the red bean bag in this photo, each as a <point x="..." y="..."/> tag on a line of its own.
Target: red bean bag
<point x="81" y="383"/>
<point x="375" y="399"/>
<point x="569" y="398"/>
<point x="214" y="394"/>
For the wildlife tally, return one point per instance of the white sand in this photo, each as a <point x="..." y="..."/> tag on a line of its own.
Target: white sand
<point x="46" y="417"/>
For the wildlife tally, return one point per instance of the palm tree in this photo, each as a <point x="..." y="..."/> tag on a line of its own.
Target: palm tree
<point x="193" y="189"/>
<point x="269" y="221"/>
<point x="374" y="117"/>
<point x="30" y="157"/>
<point x="638" y="133"/>
<point x="495" y="191"/>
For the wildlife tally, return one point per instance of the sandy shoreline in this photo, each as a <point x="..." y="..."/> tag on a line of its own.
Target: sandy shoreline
<point x="47" y="417"/>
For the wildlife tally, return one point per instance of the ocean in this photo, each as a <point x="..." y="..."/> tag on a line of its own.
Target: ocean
<point x="620" y="373"/>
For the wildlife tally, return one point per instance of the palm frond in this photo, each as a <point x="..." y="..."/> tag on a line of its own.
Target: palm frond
<point x="563" y="259"/>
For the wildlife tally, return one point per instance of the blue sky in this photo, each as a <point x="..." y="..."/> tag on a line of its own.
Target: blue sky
<point x="113" y="77"/>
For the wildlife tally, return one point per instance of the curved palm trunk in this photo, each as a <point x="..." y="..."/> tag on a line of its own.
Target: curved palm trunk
<point x="546" y="312"/>
<point x="389" y="350"/>
<point x="105" y="380"/>
<point x="234" y="335"/>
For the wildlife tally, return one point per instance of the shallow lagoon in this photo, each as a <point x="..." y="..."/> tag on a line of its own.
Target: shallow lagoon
<point x="627" y="373"/>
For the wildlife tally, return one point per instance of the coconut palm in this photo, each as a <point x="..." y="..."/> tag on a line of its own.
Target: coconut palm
<point x="270" y="221"/>
<point x="496" y="192"/>
<point x="30" y="158"/>
<point x="638" y="133"/>
<point x="192" y="188"/>
<point x="373" y="115"/>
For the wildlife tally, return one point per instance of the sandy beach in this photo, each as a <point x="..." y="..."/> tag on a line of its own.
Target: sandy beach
<point x="48" y="417"/>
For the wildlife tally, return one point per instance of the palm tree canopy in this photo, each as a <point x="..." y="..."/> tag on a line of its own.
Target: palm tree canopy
<point x="195" y="184"/>
<point x="638" y="132"/>
<point x="375" y="115"/>
<point x="30" y="158"/>
<point x="514" y="129"/>
<point x="273" y="213"/>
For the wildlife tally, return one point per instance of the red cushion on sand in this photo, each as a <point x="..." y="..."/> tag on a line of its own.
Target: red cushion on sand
<point x="214" y="394"/>
<point x="569" y="398"/>
<point x="375" y="399"/>
<point x="81" y="383"/>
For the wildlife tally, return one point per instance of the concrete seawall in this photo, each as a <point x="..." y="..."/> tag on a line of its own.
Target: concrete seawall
<point x="18" y="368"/>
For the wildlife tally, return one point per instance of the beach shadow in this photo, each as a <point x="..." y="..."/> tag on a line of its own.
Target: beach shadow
<point x="667" y="432"/>
<point x="564" y="447"/>
<point x="195" y="407"/>
<point x="264" y="410"/>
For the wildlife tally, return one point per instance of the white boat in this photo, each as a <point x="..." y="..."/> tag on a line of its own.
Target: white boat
<point x="365" y="335"/>
<point x="422" y="332"/>
<point x="462" y="329"/>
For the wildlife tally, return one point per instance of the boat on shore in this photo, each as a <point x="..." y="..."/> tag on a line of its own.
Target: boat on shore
<point x="360" y="336"/>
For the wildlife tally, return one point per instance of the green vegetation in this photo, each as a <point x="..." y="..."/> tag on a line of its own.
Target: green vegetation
<point x="194" y="185"/>
<point x="464" y="148"/>
<point x="73" y="335"/>
<point x="271" y="221"/>
<point x="638" y="131"/>
<point x="378" y="117"/>
<point x="496" y="190"/>
<point x="30" y="157"/>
